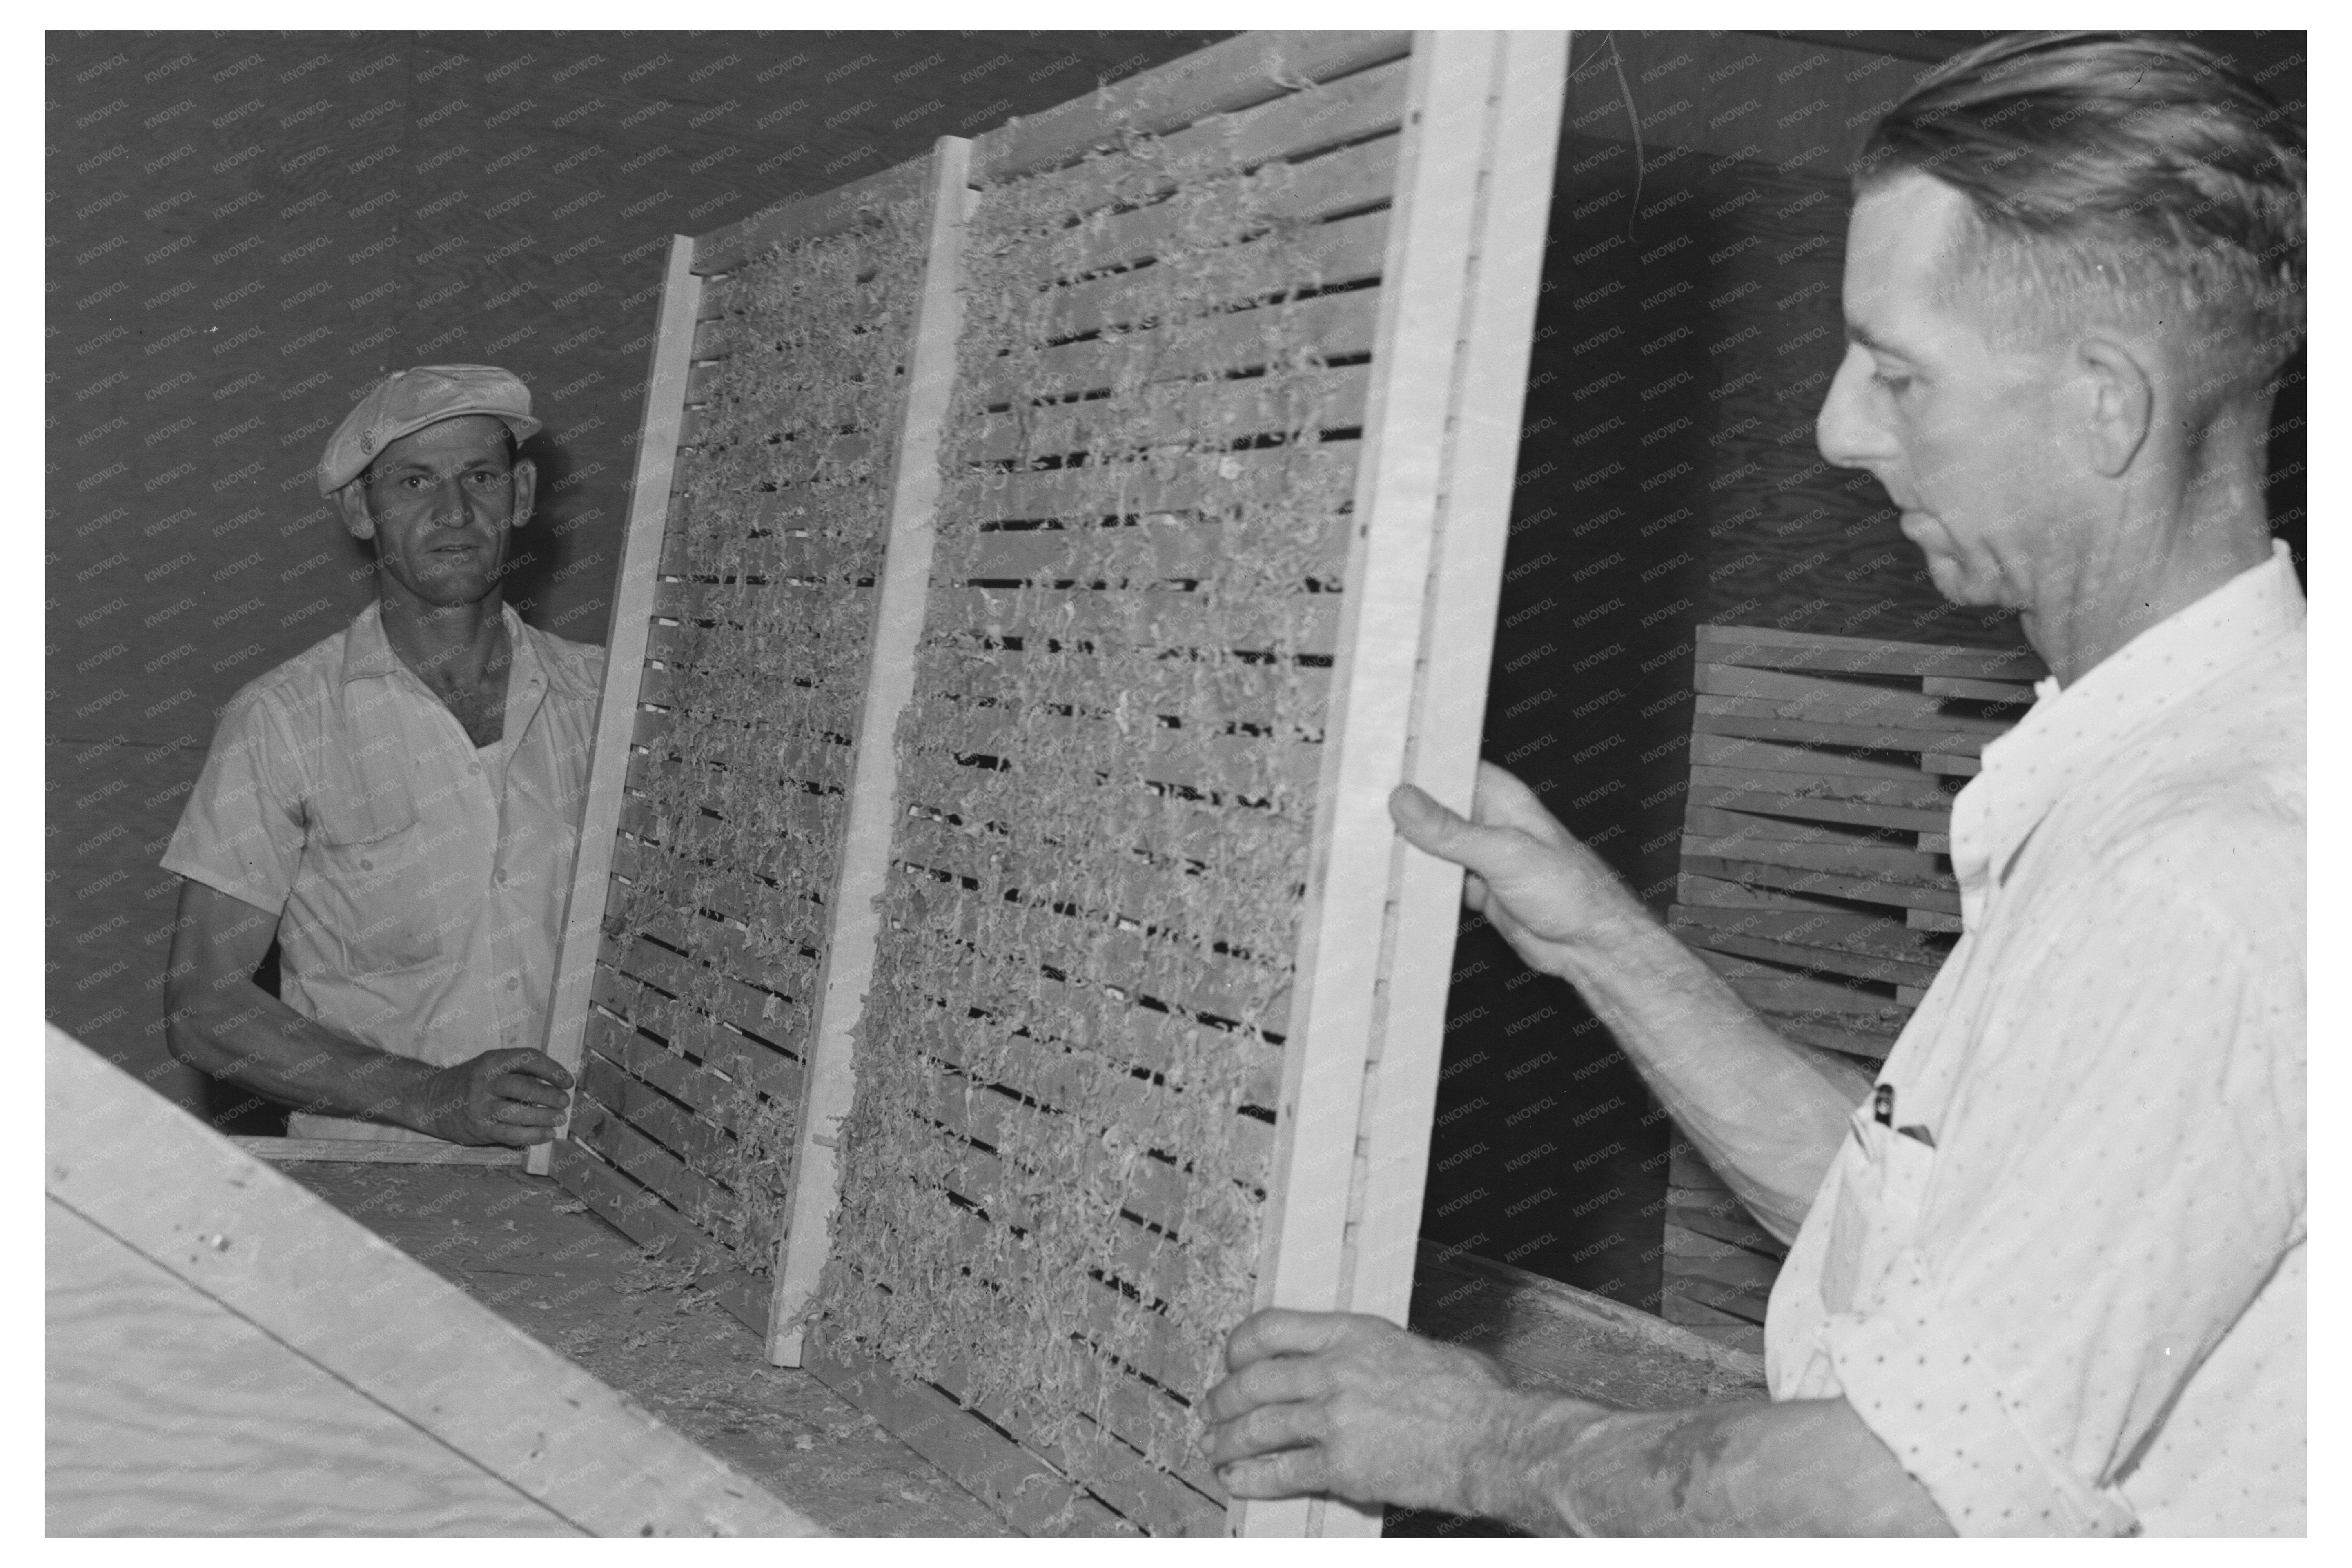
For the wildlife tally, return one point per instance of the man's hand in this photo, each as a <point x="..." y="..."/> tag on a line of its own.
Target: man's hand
<point x="1553" y="899"/>
<point x="513" y="1097"/>
<point x="1324" y="1401"/>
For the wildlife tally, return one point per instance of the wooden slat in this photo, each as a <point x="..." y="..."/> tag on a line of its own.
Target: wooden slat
<point x="2017" y="694"/>
<point x="1755" y="720"/>
<point x="1824" y="884"/>
<point x="1114" y="1402"/>
<point x="1552" y="1336"/>
<point x="1060" y="1080"/>
<point x="1335" y="326"/>
<point x="1768" y="648"/>
<point x="1173" y="411"/>
<point x="1721" y="1218"/>
<point x="1779" y="994"/>
<point x="1880" y="936"/>
<point x="1345" y="250"/>
<point x="1099" y="953"/>
<point x="1904" y="782"/>
<point x="722" y="1047"/>
<point x="702" y="1205"/>
<point x="728" y="949"/>
<point x="372" y="1151"/>
<point x="641" y="1215"/>
<point x="567" y="1014"/>
<point x="1714" y="822"/>
<point x="1098" y="1390"/>
<point x="1859" y="967"/>
<point x="1293" y="127"/>
<point x="1839" y="701"/>
<point x="1192" y="480"/>
<point x="810" y="217"/>
<point x="1034" y="1497"/>
<point x="712" y="1095"/>
<point x="1345" y="181"/>
<point x="1903" y="865"/>
<point x="696" y="1142"/>
<point x="847" y="951"/>
<point x="1308" y="624"/>
<point x="1238" y="74"/>
<point x="1713" y="892"/>
<point x="1816" y="807"/>
<point x="742" y="1008"/>
<point x="1148" y="1043"/>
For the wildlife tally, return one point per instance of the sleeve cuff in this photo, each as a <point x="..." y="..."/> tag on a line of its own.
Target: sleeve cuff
<point x="1917" y="1383"/>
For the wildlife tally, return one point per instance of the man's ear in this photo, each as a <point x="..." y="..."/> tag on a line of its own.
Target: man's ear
<point x="2120" y="397"/>
<point x="526" y="483"/>
<point x="353" y="501"/>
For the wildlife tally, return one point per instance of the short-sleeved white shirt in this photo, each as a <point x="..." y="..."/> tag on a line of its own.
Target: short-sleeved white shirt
<point x="419" y="880"/>
<point x="2064" y="1282"/>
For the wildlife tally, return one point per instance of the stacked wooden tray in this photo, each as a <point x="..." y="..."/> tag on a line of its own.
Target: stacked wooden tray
<point x="1816" y="875"/>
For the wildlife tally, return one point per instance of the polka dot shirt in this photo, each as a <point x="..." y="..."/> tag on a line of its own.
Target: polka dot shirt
<point x="2063" y="1281"/>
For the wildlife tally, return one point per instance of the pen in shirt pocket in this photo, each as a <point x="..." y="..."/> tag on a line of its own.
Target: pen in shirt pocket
<point x="1882" y="1110"/>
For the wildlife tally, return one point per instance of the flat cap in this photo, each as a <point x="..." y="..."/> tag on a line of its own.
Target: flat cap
<point x="408" y="400"/>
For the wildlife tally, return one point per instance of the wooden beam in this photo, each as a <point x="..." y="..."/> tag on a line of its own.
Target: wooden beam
<point x="145" y="1173"/>
<point x="1490" y="375"/>
<point x="625" y="659"/>
<point x="1339" y="1007"/>
<point x="899" y="603"/>
<point x="373" y="1152"/>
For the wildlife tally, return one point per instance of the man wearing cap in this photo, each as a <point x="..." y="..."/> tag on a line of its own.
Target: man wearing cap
<point x="398" y="805"/>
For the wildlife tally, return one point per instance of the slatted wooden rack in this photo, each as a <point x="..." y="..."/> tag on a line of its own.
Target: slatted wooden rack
<point x="1047" y="986"/>
<point x="1816" y="877"/>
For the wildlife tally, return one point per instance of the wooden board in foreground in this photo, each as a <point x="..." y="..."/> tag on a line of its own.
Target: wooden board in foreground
<point x="227" y="1354"/>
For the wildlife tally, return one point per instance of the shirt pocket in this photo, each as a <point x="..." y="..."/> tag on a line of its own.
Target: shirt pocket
<point x="1882" y="1190"/>
<point x="375" y="889"/>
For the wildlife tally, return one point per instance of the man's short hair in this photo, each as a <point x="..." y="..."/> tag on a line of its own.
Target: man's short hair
<point x="2127" y="177"/>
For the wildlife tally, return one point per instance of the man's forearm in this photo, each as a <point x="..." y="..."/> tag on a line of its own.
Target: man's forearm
<point x="252" y="1040"/>
<point x="1766" y="1114"/>
<point x="1557" y="1465"/>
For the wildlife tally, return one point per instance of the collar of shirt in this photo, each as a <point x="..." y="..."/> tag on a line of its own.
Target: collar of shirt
<point x="368" y="652"/>
<point x="2069" y="731"/>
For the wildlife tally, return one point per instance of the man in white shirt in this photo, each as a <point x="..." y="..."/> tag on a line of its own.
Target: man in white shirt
<point x="2047" y="1274"/>
<point x="399" y="804"/>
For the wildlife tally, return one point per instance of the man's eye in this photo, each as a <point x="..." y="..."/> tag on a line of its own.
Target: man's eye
<point x="1892" y="381"/>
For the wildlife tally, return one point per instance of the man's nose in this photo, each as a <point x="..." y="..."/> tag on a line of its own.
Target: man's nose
<point x="1848" y="430"/>
<point x="449" y="507"/>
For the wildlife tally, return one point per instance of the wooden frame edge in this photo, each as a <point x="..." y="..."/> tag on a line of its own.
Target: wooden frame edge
<point x="144" y="1171"/>
<point x="1449" y="707"/>
<point x="1303" y="1262"/>
<point x="625" y="660"/>
<point x="901" y="601"/>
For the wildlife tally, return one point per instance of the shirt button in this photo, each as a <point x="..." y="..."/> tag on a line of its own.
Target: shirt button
<point x="514" y="982"/>
<point x="500" y="877"/>
<point x="475" y="768"/>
